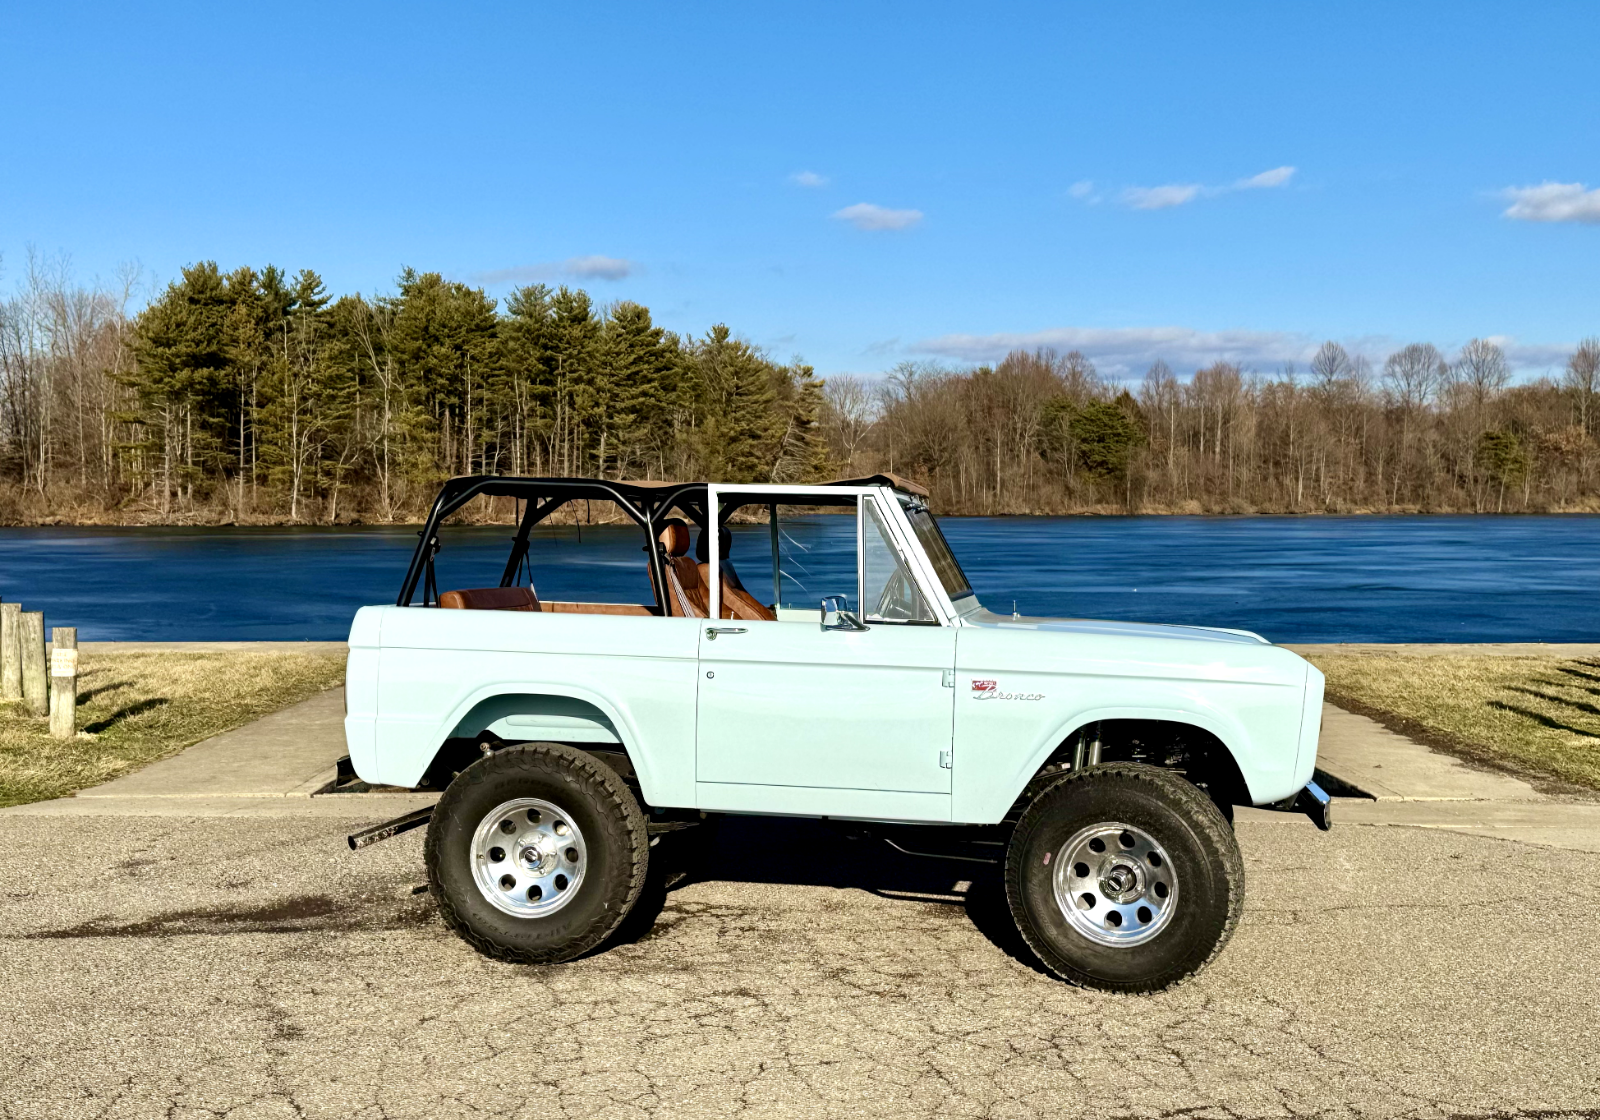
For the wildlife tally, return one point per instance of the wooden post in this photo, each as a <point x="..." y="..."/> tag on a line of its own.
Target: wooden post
<point x="35" y="684"/>
<point x="64" y="682"/>
<point x="10" y="651"/>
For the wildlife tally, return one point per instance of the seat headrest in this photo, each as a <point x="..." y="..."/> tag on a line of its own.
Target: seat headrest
<point x="702" y="545"/>
<point x="674" y="537"/>
<point x="491" y="599"/>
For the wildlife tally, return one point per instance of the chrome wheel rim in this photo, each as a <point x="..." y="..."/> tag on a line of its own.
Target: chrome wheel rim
<point x="1115" y="884"/>
<point x="528" y="857"/>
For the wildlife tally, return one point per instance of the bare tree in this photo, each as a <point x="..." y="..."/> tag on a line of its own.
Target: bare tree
<point x="849" y="413"/>
<point x="1329" y="366"/>
<point x="1412" y="374"/>
<point x="1161" y="399"/>
<point x="1079" y="378"/>
<point x="1582" y="379"/>
<point x="1481" y="370"/>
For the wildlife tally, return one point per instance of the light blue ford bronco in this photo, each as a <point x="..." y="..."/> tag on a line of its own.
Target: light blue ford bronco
<point x="816" y="651"/>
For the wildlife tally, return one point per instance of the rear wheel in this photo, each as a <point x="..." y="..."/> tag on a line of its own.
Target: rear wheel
<point x="1124" y="877"/>
<point x="536" y="853"/>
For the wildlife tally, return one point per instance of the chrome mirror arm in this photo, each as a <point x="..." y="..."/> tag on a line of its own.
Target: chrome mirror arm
<point x="841" y="619"/>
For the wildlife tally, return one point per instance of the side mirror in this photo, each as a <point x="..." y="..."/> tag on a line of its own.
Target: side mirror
<point x="835" y="617"/>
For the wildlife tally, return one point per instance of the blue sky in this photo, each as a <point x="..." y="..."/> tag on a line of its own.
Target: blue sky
<point x="855" y="184"/>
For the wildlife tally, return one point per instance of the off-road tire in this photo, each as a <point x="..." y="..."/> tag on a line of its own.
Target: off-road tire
<point x="1200" y="845"/>
<point x="599" y="804"/>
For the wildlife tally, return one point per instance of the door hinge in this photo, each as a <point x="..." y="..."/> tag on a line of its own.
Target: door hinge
<point x="949" y="678"/>
<point x="944" y="760"/>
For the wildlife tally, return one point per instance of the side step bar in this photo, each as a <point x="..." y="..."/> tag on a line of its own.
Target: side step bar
<point x="420" y="817"/>
<point x="366" y="836"/>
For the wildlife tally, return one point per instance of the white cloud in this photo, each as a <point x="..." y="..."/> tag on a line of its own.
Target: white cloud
<point x="1160" y="198"/>
<point x="1533" y="356"/>
<point x="865" y="215"/>
<point x="578" y="268"/>
<point x="1277" y="177"/>
<point x="1081" y="189"/>
<point x="1553" y="202"/>
<point x="1126" y="352"/>
<point x="808" y="179"/>
<point x="598" y="268"/>
<point x="1177" y="194"/>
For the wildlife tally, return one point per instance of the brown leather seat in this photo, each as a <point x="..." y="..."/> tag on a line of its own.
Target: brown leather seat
<point x="739" y="603"/>
<point x="491" y="599"/>
<point x="736" y="601"/>
<point x="686" y="595"/>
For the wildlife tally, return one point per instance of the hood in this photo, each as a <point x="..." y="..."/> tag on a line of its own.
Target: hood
<point x="991" y="620"/>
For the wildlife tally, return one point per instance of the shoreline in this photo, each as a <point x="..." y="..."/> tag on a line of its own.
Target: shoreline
<point x="356" y="523"/>
<point x="1415" y="649"/>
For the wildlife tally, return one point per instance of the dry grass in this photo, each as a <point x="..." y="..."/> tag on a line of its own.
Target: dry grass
<point x="1538" y="716"/>
<point x="135" y="708"/>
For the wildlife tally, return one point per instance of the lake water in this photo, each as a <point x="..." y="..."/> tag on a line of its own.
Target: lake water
<point x="1310" y="579"/>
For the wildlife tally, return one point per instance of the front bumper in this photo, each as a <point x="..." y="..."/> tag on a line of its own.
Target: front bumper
<point x="1313" y="801"/>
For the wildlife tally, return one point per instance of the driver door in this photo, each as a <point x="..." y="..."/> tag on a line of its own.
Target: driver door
<point x="794" y="718"/>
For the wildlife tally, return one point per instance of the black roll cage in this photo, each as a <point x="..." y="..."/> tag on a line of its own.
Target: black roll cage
<point x="645" y="502"/>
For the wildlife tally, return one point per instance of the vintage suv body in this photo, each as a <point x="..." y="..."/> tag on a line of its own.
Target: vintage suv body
<point x="874" y="687"/>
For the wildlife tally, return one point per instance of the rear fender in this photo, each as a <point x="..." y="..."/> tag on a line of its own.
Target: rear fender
<point x="567" y="714"/>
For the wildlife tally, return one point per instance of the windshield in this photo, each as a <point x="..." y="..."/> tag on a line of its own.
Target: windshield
<point x="938" y="550"/>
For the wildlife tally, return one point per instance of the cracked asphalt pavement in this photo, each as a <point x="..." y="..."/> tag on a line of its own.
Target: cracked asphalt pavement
<point x="255" y="967"/>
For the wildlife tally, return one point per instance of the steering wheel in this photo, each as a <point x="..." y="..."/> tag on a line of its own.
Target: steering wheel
<point x="899" y="601"/>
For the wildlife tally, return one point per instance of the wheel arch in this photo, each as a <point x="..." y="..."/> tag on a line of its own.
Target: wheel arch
<point x="1198" y="745"/>
<point x="574" y="716"/>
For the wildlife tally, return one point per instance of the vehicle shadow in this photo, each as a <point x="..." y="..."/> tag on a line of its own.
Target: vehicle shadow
<point x="85" y="695"/>
<point x="801" y="852"/>
<point x="121" y="714"/>
<point x="1541" y="718"/>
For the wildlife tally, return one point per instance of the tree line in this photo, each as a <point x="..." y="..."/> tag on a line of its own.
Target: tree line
<point x="249" y="395"/>
<point x="256" y="395"/>
<point x="1042" y="432"/>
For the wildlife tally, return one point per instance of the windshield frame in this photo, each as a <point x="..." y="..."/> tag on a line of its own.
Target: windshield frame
<point x="936" y="548"/>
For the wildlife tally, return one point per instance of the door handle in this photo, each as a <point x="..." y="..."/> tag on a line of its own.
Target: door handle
<point x="713" y="631"/>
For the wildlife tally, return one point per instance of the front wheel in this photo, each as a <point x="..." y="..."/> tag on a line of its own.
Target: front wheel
<point x="1124" y="877"/>
<point x="536" y="853"/>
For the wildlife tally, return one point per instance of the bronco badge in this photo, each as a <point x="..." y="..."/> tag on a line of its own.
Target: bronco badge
<point x="990" y="690"/>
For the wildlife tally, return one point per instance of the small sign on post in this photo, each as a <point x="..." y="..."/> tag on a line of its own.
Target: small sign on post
<point x="64" y="682"/>
<point x="10" y="651"/>
<point x="35" y="684"/>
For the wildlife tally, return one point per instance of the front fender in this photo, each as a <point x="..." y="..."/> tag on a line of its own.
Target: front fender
<point x="1021" y="694"/>
<point x="1229" y="732"/>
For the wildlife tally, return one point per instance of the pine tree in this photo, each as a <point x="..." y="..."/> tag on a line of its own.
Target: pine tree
<point x="301" y="403"/>
<point x="524" y="335"/>
<point x="250" y="318"/>
<point x="802" y="451"/>
<point x="580" y="393"/>
<point x="737" y="440"/>
<point x="180" y="377"/>
<point x="445" y="338"/>
<point x="642" y="366"/>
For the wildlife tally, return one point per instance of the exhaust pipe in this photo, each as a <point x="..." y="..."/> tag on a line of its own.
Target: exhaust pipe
<point x="366" y="836"/>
